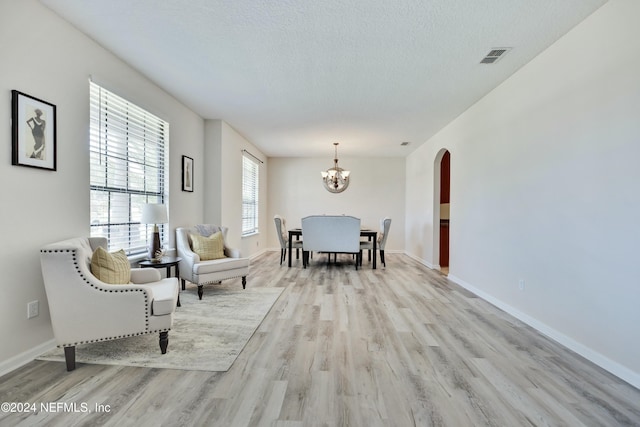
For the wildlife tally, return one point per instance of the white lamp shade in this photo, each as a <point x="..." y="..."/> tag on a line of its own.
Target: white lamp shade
<point x="154" y="213"/>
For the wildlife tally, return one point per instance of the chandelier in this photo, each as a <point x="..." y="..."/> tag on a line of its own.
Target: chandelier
<point x="336" y="179"/>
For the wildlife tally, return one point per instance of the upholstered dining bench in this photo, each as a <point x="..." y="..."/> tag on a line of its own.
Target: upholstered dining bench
<point x="332" y="234"/>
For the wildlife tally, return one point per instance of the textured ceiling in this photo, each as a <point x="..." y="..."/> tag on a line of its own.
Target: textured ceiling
<point x="294" y="76"/>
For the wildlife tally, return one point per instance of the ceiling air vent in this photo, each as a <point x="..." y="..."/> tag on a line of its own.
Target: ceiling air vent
<point x="495" y="54"/>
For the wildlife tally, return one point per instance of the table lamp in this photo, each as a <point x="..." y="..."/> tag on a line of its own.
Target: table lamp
<point x="154" y="213"/>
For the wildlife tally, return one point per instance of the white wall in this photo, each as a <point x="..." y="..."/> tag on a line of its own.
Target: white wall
<point x="376" y="190"/>
<point x="544" y="188"/>
<point x="45" y="57"/>
<point x="223" y="197"/>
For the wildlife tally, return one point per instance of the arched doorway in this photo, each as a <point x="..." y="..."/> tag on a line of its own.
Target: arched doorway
<point x="442" y="198"/>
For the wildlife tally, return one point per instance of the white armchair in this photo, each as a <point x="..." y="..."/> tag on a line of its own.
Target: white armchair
<point x="200" y="272"/>
<point x="85" y="310"/>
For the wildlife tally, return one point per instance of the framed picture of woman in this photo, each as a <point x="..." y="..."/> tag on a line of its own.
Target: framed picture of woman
<point x="187" y="174"/>
<point x="33" y="131"/>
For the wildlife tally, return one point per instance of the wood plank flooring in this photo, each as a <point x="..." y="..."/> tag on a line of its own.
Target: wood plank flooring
<point x="400" y="346"/>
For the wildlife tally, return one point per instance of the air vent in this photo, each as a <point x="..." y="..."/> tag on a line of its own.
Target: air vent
<point x="404" y="143"/>
<point x="494" y="55"/>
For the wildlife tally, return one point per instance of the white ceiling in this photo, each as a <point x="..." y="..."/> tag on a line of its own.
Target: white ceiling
<point x="294" y="76"/>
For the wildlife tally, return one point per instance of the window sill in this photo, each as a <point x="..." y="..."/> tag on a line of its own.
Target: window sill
<point x="251" y="234"/>
<point x="134" y="259"/>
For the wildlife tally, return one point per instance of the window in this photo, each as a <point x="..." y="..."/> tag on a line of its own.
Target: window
<point x="249" y="196"/>
<point x="127" y="169"/>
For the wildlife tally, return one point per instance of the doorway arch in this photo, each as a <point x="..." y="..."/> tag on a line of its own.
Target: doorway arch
<point x="441" y="208"/>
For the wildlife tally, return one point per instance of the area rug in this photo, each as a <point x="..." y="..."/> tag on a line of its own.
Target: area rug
<point x="207" y="334"/>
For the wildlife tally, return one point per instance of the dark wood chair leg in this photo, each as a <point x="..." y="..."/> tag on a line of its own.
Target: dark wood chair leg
<point x="244" y="282"/>
<point x="70" y="357"/>
<point x="164" y="341"/>
<point x="200" y="291"/>
<point x="382" y="258"/>
<point x="183" y="284"/>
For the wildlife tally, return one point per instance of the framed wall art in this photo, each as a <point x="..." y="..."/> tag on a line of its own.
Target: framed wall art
<point x="187" y="174"/>
<point x="33" y="132"/>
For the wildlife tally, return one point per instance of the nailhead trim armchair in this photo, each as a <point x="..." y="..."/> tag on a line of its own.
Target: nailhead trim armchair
<point x="200" y="272"/>
<point x="84" y="309"/>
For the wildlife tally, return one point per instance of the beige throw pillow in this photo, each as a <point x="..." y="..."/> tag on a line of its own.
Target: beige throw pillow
<point x="208" y="248"/>
<point x="113" y="268"/>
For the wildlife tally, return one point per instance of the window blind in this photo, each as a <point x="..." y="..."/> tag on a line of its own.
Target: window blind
<point x="127" y="169"/>
<point x="249" y="195"/>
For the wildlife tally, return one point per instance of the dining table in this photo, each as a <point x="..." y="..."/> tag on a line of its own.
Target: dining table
<point x="365" y="232"/>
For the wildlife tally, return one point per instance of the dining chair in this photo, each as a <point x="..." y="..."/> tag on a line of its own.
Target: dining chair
<point x="283" y="237"/>
<point x="385" y="224"/>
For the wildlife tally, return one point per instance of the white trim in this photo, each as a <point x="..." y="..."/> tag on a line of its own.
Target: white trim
<point x="257" y="254"/>
<point x="422" y="261"/>
<point x="602" y="361"/>
<point x="25" y="357"/>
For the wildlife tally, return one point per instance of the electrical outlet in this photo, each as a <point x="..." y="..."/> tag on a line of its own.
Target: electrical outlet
<point x="33" y="309"/>
<point x="521" y="284"/>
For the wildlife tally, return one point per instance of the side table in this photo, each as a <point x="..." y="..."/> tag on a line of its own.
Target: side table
<point x="166" y="262"/>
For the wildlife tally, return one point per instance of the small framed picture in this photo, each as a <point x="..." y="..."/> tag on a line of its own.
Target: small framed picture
<point x="187" y="174"/>
<point x="33" y="132"/>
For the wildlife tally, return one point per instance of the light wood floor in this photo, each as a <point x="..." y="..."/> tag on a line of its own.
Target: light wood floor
<point x="400" y="346"/>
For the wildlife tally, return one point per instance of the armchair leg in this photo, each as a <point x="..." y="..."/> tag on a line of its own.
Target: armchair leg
<point x="244" y="282"/>
<point x="183" y="284"/>
<point x="200" y="291"/>
<point x="70" y="357"/>
<point x="164" y="341"/>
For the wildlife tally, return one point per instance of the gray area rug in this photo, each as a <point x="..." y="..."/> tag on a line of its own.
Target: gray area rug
<point x="207" y="335"/>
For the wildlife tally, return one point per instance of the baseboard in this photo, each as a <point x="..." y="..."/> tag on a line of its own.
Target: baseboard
<point x="422" y="261"/>
<point x="23" y="358"/>
<point x="257" y="254"/>
<point x="602" y="361"/>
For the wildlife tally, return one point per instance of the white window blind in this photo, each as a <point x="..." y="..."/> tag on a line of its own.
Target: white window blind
<point x="127" y="169"/>
<point x="249" y="195"/>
